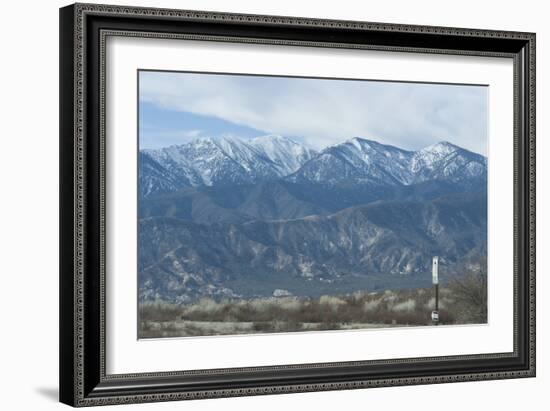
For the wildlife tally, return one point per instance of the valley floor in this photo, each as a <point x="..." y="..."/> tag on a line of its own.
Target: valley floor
<point x="360" y="310"/>
<point x="184" y="328"/>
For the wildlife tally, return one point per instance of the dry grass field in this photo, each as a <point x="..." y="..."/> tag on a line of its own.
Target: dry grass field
<point x="462" y="301"/>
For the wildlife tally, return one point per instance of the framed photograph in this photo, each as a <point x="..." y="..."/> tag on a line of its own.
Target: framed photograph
<point x="262" y="204"/>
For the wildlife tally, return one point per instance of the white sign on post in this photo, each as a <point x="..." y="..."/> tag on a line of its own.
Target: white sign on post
<point x="435" y="272"/>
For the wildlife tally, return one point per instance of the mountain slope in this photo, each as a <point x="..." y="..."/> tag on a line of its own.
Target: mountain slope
<point x="182" y="260"/>
<point x="230" y="204"/>
<point x="223" y="161"/>
<point x="286" y="155"/>
<point x="280" y="200"/>
<point x="156" y="178"/>
<point x="364" y="161"/>
<point x="446" y="161"/>
<point x="359" y="160"/>
<point x="230" y="161"/>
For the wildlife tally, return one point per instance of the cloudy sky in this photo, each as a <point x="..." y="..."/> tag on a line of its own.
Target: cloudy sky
<point x="178" y="107"/>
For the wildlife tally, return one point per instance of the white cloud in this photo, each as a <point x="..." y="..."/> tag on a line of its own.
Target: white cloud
<point x="323" y="112"/>
<point x="157" y="138"/>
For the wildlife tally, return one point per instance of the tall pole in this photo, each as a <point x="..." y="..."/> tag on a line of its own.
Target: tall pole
<point x="435" y="281"/>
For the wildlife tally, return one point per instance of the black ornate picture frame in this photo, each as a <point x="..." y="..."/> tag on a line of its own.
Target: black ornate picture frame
<point x="84" y="29"/>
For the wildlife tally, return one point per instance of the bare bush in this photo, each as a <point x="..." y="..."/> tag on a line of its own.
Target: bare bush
<point x="405" y="306"/>
<point x="158" y="311"/>
<point x="462" y="300"/>
<point x="468" y="291"/>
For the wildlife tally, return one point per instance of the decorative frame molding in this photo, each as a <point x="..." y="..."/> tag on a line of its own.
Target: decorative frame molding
<point x="83" y="32"/>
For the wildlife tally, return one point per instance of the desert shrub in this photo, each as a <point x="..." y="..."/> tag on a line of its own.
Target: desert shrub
<point x="329" y="326"/>
<point x="204" y="308"/>
<point x="277" y="326"/>
<point x="371" y="305"/>
<point x="443" y="302"/>
<point x="468" y="293"/>
<point x="262" y="326"/>
<point x="158" y="311"/>
<point x="333" y="303"/>
<point x="460" y="302"/>
<point x="408" y="305"/>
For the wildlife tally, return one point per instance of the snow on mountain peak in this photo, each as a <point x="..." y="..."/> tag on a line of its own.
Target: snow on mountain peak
<point x="441" y="147"/>
<point x="445" y="160"/>
<point x="271" y="137"/>
<point x="228" y="160"/>
<point x="209" y="161"/>
<point x="363" y="144"/>
<point x="286" y="154"/>
<point x="274" y="140"/>
<point x="370" y="161"/>
<point x="356" y="142"/>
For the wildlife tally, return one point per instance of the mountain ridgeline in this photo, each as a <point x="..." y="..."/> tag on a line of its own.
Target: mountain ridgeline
<point x="231" y="218"/>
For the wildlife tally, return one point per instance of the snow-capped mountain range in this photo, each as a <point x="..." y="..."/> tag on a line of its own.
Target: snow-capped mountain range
<point x="232" y="218"/>
<point x="367" y="161"/>
<point x="208" y="161"/>
<point x="230" y="161"/>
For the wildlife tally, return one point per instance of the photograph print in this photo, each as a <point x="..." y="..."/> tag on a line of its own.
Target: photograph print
<point x="273" y="204"/>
